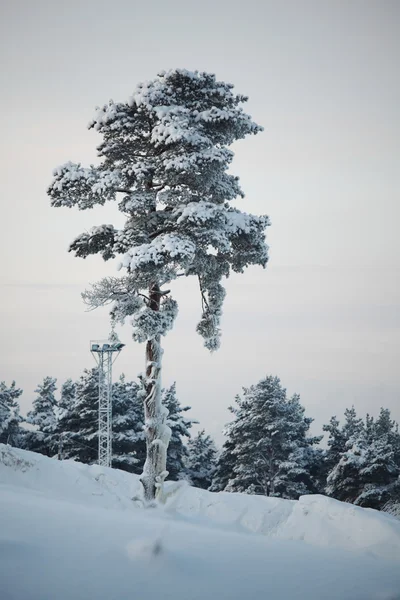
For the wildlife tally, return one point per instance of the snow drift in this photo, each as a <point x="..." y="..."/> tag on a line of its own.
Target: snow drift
<point x="69" y="530"/>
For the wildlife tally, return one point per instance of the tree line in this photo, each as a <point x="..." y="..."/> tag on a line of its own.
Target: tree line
<point x="67" y="427"/>
<point x="268" y="449"/>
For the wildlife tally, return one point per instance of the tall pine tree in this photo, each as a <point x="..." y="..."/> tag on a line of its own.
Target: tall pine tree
<point x="165" y="156"/>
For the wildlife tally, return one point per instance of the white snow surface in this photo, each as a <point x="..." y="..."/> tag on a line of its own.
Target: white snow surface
<point x="73" y="531"/>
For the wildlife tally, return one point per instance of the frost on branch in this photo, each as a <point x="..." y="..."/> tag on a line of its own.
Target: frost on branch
<point x="118" y="290"/>
<point x="74" y="185"/>
<point x="166" y="251"/>
<point x="148" y="324"/>
<point x="165" y="155"/>
<point x="208" y="327"/>
<point x="99" y="240"/>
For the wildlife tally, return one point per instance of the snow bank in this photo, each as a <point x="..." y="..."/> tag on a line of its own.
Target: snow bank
<point x="317" y="520"/>
<point x="72" y="531"/>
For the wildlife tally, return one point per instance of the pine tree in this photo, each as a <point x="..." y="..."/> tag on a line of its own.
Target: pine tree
<point x="43" y="438"/>
<point x="385" y="426"/>
<point x="200" y="466"/>
<point x="343" y="482"/>
<point x="340" y="440"/>
<point x="365" y="473"/>
<point x="180" y="426"/>
<point x="353" y="425"/>
<point x="10" y="419"/>
<point x="86" y="411"/>
<point x="165" y="155"/>
<point x="270" y="443"/>
<point x="225" y="463"/>
<point x="369" y="427"/>
<point x="336" y="445"/>
<point x="79" y="422"/>
<point x="378" y="475"/>
<point x="368" y="470"/>
<point x="67" y="397"/>
<point x="128" y="437"/>
<point x="65" y="407"/>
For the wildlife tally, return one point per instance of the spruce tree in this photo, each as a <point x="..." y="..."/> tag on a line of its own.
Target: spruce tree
<point x="200" y="465"/>
<point x="43" y="438"/>
<point x="128" y="437"/>
<point x="165" y="157"/>
<point x="180" y="426"/>
<point x="10" y="418"/>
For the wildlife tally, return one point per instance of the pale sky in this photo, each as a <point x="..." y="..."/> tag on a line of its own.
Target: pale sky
<point x="323" y="80"/>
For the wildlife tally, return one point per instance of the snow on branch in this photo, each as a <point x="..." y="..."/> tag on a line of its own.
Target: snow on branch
<point x="161" y="251"/>
<point x="74" y="185"/>
<point x="167" y="150"/>
<point x="98" y="240"/>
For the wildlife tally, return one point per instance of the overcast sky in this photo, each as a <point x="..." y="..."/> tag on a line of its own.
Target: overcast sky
<point x="322" y="78"/>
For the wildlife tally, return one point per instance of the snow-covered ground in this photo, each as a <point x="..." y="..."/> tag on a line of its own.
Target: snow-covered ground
<point x="72" y="532"/>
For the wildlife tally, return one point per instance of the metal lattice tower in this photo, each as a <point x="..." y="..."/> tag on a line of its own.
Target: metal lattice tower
<point x="105" y="354"/>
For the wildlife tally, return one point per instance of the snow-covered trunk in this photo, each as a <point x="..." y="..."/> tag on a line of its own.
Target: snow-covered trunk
<point x="157" y="431"/>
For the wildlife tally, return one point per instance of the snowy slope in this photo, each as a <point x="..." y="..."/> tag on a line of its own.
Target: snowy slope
<point x="70" y="531"/>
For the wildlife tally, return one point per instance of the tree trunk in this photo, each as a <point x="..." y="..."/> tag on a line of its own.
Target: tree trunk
<point x="157" y="431"/>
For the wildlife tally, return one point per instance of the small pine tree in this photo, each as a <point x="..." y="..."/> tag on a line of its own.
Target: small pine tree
<point x="180" y="426"/>
<point x="385" y="426"/>
<point x="43" y="417"/>
<point x="86" y="412"/>
<point x="336" y="444"/>
<point x="78" y="423"/>
<point x="353" y="425"/>
<point x="128" y="438"/>
<point x="340" y="440"/>
<point x="10" y="419"/>
<point x="378" y="475"/>
<point x="67" y="397"/>
<point x="64" y="411"/>
<point x="225" y="463"/>
<point x="343" y="482"/>
<point x="201" y="460"/>
<point x="369" y="427"/>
